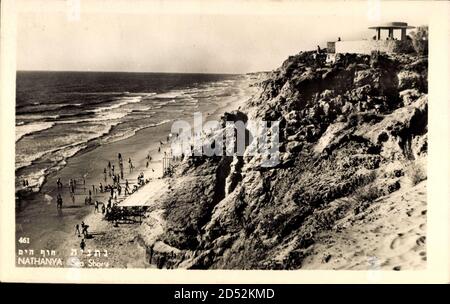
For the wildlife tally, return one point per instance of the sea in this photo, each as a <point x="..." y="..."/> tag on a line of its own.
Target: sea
<point x="61" y="114"/>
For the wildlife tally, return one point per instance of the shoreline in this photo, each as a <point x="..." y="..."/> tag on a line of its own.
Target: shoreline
<point x="62" y="237"/>
<point x="125" y="241"/>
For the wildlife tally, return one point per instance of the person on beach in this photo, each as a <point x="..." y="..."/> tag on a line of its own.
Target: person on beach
<point x="147" y="165"/>
<point x="77" y="230"/>
<point x="120" y="157"/>
<point x="84" y="228"/>
<point x="103" y="209"/>
<point x="58" y="183"/>
<point x="104" y="173"/>
<point x="86" y="200"/>
<point x="59" y="201"/>
<point x="82" y="244"/>
<point x="130" y="164"/>
<point x="112" y="170"/>
<point x="96" y="207"/>
<point x="101" y="187"/>
<point x="73" y="199"/>
<point x="159" y="150"/>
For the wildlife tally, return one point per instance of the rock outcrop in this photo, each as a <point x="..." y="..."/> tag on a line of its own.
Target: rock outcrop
<point x="347" y="131"/>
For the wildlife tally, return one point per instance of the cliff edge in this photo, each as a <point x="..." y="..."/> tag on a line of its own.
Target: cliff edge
<point x="349" y="191"/>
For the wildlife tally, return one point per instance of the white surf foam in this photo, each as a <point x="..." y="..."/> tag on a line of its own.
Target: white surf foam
<point x="30" y="128"/>
<point x="124" y="101"/>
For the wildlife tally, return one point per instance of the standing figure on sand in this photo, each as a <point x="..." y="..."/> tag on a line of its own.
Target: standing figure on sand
<point x="58" y="183"/>
<point x="59" y="201"/>
<point x="130" y="163"/>
<point x="77" y="230"/>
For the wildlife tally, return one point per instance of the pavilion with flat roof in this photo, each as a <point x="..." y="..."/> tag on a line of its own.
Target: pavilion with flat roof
<point x="390" y="27"/>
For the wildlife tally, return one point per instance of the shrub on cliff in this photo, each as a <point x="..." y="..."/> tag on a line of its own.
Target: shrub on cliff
<point x="416" y="173"/>
<point x="367" y="193"/>
<point x="420" y="40"/>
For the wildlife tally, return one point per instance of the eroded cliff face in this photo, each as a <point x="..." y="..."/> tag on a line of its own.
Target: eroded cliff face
<point x="354" y="129"/>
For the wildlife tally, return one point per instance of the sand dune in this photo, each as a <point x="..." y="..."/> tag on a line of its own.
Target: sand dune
<point x="389" y="235"/>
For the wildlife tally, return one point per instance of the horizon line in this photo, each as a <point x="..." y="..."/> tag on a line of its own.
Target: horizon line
<point x="135" y="72"/>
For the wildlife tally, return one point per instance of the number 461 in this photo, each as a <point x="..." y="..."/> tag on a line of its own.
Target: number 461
<point x="24" y="240"/>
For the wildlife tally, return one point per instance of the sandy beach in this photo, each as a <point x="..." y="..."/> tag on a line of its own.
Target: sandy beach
<point x="122" y="244"/>
<point x="390" y="235"/>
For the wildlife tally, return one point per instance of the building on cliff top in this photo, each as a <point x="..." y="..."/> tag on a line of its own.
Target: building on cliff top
<point x="390" y="44"/>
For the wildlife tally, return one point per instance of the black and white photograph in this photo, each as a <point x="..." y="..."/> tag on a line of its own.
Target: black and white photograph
<point x="241" y="135"/>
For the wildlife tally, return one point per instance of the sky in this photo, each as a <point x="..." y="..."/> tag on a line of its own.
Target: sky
<point x="189" y="36"/>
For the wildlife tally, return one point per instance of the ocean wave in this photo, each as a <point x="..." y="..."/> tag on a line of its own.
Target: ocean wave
<point x="36" y="178"/>
<point x="131" y="132"/>
<point x="35" y="117"/>
<point x="40" y="108"/>
<point x="31" y="128"/>
<point x="23" y="161"/>
<point x="124" y="101"/>
<point x="74" y="143"/>
<point x="169" y="95"/>
<point x="145" y="109"/>
<point x="111" y="93"/>
<point x="143" y="94"/>
<point x="165" y="103"/>
<point x="104" y="117"/>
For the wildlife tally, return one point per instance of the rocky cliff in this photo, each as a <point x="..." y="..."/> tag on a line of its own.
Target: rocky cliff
<point x="352" y="133"/>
